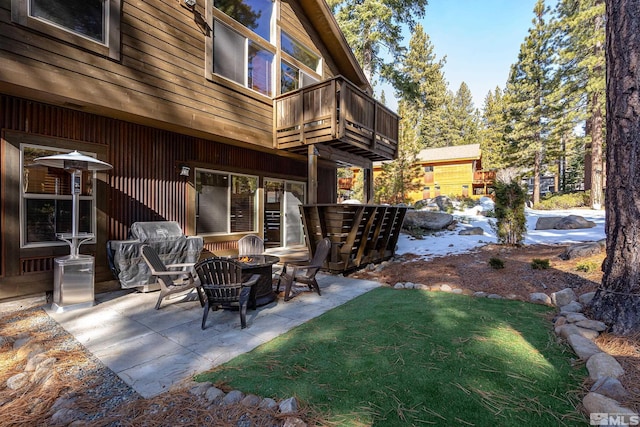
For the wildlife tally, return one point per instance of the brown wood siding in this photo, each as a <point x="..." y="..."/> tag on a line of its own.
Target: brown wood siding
<point x="144" y="184"/>
<point x="144" y="87"/>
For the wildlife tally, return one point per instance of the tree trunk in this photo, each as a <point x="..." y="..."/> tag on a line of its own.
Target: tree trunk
<point x="596" y="153"/>
<point x="537" y="166"/>
<point x="617" y="302"/>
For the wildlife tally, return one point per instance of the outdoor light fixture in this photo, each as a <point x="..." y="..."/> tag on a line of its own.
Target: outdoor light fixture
<point x="190" y="3"/>
<point x="184" y="171"/>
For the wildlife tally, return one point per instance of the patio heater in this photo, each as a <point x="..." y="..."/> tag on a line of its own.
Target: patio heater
<point x="73" y="275"/>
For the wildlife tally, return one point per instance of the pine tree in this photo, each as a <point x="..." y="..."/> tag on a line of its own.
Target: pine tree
<point x="582" y="67"/>
<point x="463" y="118"/>
<point x="402" y="176"/>
<point x="373" y="28"/>
<point x="493" y="131"/>
<point x="530" y="84"/>
<point x="425" y="90"/>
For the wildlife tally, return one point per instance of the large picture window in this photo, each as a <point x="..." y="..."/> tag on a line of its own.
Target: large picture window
<point x="46" y="207"/>
<point x="91" y="24"/>
<point x="242" y="60"/>
<point x="253" y="14"/>
<point x="226" y="203"/>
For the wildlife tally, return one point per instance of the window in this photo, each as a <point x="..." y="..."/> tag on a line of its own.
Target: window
<point x="253" y="14"/>
<point x="91" y="24"/>
<point x="46" y="206"/>
<point x="428" y="168"/>
<point x="299" y="52"/>
<point x="226" y="203"/>
<point x="241" y="49"/>
<point x="293" y="76"/>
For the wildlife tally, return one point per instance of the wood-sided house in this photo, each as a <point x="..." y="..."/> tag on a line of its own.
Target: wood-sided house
<point x="223" y="115"/>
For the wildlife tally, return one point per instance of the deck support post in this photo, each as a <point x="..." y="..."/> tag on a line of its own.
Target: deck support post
<point x="368" y="184"/>
<point x="312" y="172"/>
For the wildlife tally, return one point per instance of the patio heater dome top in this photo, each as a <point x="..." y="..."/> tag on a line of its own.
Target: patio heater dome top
<point x="73" y="161"/>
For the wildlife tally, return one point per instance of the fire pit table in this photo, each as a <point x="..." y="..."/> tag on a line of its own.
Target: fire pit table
<point x="262" y="292"/>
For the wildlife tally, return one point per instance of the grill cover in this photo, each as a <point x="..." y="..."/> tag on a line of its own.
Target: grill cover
<point x="126" y="262"/>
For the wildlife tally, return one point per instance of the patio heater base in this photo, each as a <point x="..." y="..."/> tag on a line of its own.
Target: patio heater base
<point x="73" y="283"/>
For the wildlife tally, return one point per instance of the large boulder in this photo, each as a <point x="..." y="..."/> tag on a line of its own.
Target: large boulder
<point x="573" y="222"/>
<point x="427" y="220"/>
<point x="570" y="222"/>
<point x="581" y="250"/>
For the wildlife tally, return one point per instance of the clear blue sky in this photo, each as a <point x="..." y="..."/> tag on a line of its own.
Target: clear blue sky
<point x="480" y="39"/>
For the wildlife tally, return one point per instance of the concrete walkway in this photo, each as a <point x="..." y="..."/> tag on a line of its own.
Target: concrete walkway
<point x="152" y="350"/>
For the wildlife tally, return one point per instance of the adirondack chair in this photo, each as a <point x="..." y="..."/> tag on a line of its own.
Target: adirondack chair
<point x="173" y="278"/>
<point x="304" y="272"/>
<point x="250" y="245"/>
<point x="223" y="287"/>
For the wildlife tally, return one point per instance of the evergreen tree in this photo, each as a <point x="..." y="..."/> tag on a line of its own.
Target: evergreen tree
<point x="582" y="67"/>
<point x="373" y="28"/>
<point x="528" y="94"/>
<point x="493" y="131"/>
<point x="463" y="119"/>
<point x="400" y="177"/>
<point x="425" y="91"/>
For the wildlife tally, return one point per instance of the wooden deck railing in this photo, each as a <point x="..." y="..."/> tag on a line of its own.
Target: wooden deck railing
<point x="484" y="177"/>
<point x="359" y="234"/>
<point x="337" y="113"/>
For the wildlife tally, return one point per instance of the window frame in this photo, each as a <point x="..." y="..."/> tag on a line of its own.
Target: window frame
<point x="292" y="62"/>
<point x="213" y="15"/>
<point x="24" y="196"/>
<point x="230" y="175"/>
<point x="109" y="48"/>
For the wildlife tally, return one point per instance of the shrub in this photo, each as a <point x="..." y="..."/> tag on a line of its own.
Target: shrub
<point x="564" y="201"/>
<point x="496" y="263"/>
<point x="540" y="264"/>
<point x="587" y="266"/>
<point x="510" y="224"/>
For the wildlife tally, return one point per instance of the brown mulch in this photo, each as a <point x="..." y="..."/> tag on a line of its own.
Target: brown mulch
<point x="110" y="402"/>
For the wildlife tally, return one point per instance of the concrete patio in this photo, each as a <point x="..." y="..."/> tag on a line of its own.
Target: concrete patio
<point x="153" y="350"/>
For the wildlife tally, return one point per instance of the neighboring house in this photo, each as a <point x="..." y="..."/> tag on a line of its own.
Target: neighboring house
<point x="226" y="135"/>
<point x="453" y="171"/>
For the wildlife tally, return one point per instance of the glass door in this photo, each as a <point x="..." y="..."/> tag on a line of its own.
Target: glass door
<point x="282" y="220"/>
<point x="294" y="196"/>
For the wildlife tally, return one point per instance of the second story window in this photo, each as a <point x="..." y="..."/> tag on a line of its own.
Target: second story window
<point x="241" y="49"/>
<point x="299" y="66"/>
<point x="253" y="14"/>
<point x="91" y="24"/>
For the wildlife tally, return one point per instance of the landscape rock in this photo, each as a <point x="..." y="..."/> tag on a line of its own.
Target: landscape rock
<point x="213" y="393"/>
<point x="445" y="288"/>
<point x="585" y="299"/>
<point x="268" y="403"/>
<point x="603" y="365"/>
<point x="234" y="396"/>
<point x="563" y="297"/>
<point x="581" y="250"/>
<point x="565" y="331"/>
<point x="200" y="389"/>
<point x="597" y="403"/>
<point x="294" y="422"/>
<point x="575" y="317"/>
<point x="473" y="231"/>
<point x="480" y="294"/>
<point x="540" y="298"/>
<point x="66" y="416"/>
<point x="426" y="220"/>
<point x="574" y="222"/>
<point x="17" y="381"/>
<point x="494" y="296"/>
<point x="251" y="401"/>
<point x="561" y="320"/>
<point x="583" y="347"/>
<point x="572" y="307"/>
<point x="289" y="405"/>
<point x="592" y="324"/>
<point x="398" y="285"/>
<point x="547" y="222"/>
<point x="610" y="387"/>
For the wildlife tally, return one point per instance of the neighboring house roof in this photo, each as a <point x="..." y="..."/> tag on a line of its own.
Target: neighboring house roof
<point x="456" y="152"/>
<point x="323" y="20"/>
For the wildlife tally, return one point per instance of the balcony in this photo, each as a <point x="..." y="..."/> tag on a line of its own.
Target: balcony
<point x="484" y="177"/>
<point x="337" y="114"/>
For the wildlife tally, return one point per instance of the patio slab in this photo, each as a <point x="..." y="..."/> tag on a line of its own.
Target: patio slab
<point x="153" y="350"/>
